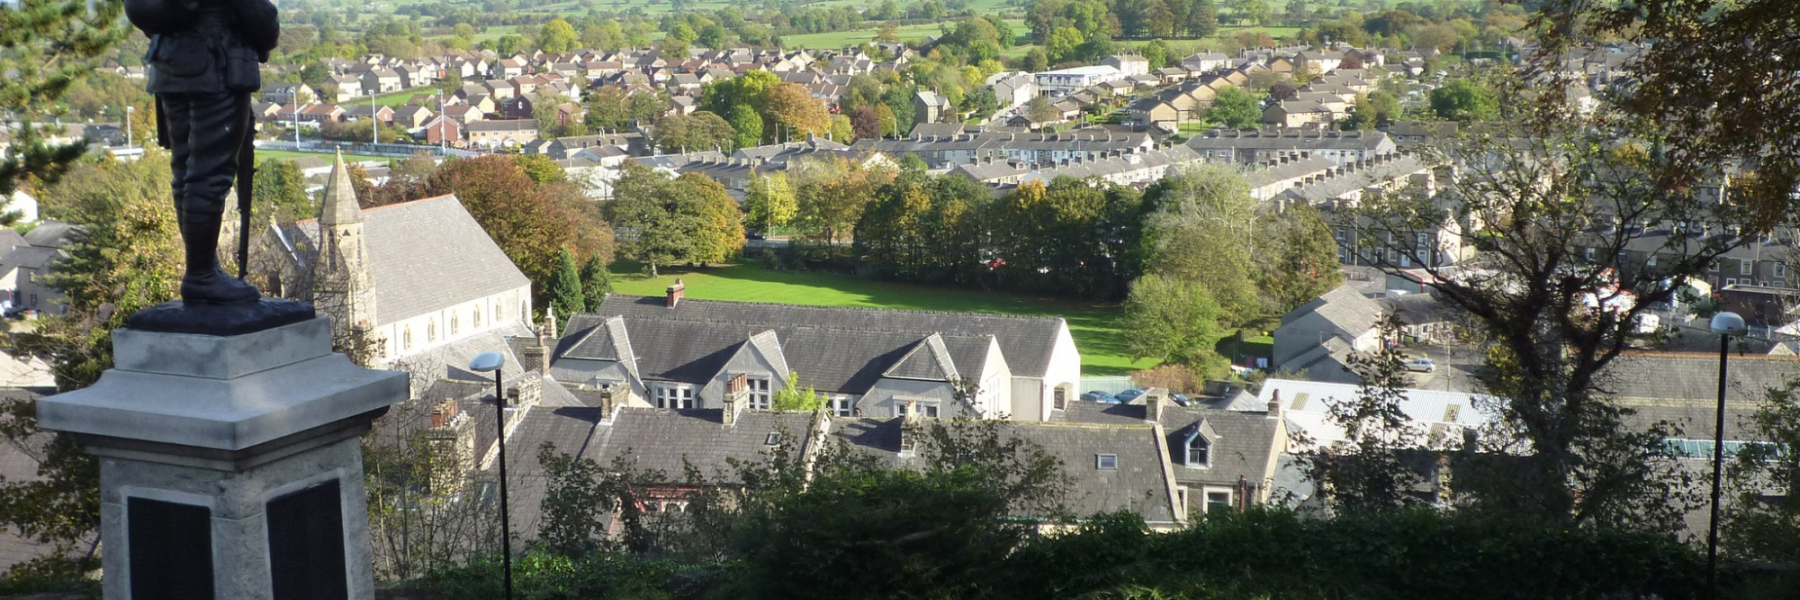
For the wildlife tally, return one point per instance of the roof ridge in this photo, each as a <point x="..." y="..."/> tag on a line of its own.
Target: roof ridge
<point x="862" y="308"/>
<point x="808" y="326"/>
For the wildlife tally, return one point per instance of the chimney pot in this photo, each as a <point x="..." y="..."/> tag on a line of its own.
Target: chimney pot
<point x="1275" y="404"/>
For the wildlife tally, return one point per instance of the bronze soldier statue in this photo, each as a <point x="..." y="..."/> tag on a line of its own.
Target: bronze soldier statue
<point x="202" y="68"/>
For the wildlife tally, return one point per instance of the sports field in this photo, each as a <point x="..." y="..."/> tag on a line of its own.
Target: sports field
<point x="1095" y="326"/>
<point x="262" y="155"/>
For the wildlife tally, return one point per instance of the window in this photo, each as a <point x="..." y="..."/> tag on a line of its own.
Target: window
<point x="674" y="395"/>
<point x="773" y="439"/>
<point x="1218" y="500"/>
<point x="1199" y="451"/>
<point x="431" y="331"/>
<point x="839" y="405"/>
<point x="1744" y="267"/>
<point x="1650" y="262"/>
<point x="476" y="321"/>
<point x="1780" y="270"/>
<point x="1588" y="253"/>
<point x="453" y="324"/>
<point x="1106" y="462"/>
<point x="1062" y="397"/>
<point x="759" y="392"/>
<point x="406" y="338"/>
<point x="926" y="408"/>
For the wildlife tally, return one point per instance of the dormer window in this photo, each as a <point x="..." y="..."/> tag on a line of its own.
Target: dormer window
<point x="1199" y="452"/>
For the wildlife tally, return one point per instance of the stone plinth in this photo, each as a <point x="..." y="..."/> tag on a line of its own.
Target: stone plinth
<point x="212" y="441"/>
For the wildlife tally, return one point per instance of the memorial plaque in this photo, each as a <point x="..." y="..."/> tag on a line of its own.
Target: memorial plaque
<point x="306" y="545"/>
<point x="170" y="549"/>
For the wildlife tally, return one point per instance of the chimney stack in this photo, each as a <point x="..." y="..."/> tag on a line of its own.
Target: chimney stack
<point x="910" y="425"/>
<point x="1275" y="404"/>
<point x="609" y="403"/>
<point x="675" y="293"/>
<point x="1154" y="401"/>
<point x="729" y="415"/>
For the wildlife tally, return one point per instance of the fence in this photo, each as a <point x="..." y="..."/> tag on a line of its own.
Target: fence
<point x="1110" y="385"/>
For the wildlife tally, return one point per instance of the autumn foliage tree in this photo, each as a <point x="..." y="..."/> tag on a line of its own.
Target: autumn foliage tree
<point x="663" y="221"/>
<point x="796" y="113"/>
<point x="531" y="222"/>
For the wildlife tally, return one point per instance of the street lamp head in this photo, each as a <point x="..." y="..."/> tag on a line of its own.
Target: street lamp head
<point x="487" y="362"/>
<point x="1729" y="323"/>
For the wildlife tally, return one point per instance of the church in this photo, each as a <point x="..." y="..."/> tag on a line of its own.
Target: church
<point x="419" y="281"/>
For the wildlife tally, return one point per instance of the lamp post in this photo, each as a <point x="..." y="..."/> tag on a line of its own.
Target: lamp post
<point x="128" y="110"/>
<point x="484" y="362"/>
<point x="1726" y="324"/>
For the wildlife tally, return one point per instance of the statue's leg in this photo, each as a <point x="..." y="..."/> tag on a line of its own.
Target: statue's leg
<point x="175" y="117"/>
<point x="216" y="125"/>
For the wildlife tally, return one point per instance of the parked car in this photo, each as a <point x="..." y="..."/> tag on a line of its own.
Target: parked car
<point x="1179" y="398"/>
<point x="1421" y="365"/>
<point x="1128" y="395"/>
<point x="1099" y="396"/>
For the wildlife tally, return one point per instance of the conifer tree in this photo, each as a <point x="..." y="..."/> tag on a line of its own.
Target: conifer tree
<point x="564" y="288"/>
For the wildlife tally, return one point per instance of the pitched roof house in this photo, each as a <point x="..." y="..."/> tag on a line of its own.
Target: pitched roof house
<point x="679" y="353"/>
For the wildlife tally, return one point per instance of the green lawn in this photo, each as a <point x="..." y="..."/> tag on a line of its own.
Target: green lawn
<point x="262" y="155"/>
<point x="1095" y="326"/>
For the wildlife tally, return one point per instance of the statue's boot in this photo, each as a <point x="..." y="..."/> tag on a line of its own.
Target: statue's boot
<point x="205" y="282"/>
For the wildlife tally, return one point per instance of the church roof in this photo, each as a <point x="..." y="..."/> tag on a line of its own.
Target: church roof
<point x="426" y="255"/>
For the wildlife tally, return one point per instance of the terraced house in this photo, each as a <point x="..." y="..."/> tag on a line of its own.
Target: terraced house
<point x="675" y="353"/>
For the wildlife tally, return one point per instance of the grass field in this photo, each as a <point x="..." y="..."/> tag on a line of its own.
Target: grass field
<point x="262" y="155"/>
<point x="1095" y="326"/>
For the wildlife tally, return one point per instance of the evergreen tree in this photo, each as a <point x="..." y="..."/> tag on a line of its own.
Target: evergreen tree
<point x="596" y="282"/>
<point x="564" y="288"/>
<point x="46" y="46"/>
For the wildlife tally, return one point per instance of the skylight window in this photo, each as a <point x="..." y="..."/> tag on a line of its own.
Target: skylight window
<point x="1106" y="462"/>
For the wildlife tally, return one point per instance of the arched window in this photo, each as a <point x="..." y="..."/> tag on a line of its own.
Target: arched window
<point x="453" y="324"/>
<point x="406" y="338"/>
<point x="430" y="331"/>
<point x="1199" y="451"/>
<point x="476" y="322"/>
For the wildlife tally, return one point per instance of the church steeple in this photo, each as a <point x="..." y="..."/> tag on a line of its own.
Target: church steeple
<point x="343" y="282"/>
<point x="339" y="204"/>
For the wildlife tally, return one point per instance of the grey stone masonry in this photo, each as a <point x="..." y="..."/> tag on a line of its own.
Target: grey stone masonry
<point x="231" y="424"/>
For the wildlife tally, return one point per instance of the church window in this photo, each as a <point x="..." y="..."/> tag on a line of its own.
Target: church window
<point x="453" y="324"/>
<point x="430" y="331"/>
<point x="406" y="338"/>
<point x="476" y="322"/>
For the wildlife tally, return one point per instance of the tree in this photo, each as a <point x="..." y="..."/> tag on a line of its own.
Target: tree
<point x="530" y="221"/>
<point x="1039" y="110"/>
<point x="748" y="124"/>
<point x="865" y="123"/>
<point x="1064" y="44"/>
<point x="558" y="37"/>
<point x="564" y="288"/>
<point x="792" y="397"/>
<point x="596" y="282"/>
<point x="1035" y="60"/>
<point x="1203" y="19"/>
<point x="665" y="221"/>
<point x="1235" y="108"/>
<point x="830" y="196"/>
<point x="1299" y="257"/>
<point x="1538" y="199"/>
<point x="841" y="129"/>
<point x="45" y="46"/>
<point x="608" y="109"/>
<point x="279" y="190"/>
<point x="1465" y="100"/>
<point x="1156" y="53"/>
<point x="1370" y="472"/>
<point x="1200" y="229"/>
<point x="769" y="203"/>
<point x="540" y="168"/>
<point x="796" y="112"/>
<point x="1173" y="320"/>
<point x="127" y="258"/>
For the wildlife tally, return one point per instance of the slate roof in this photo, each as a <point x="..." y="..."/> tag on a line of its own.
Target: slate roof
<point x="667" y="440"/>
<point x="827" y="358"/>
<point x="1287" y="138"/>
<point x="53" y="234"/>
<point x="1680" y="379"/>
<point x="568" y="429"/>
<point x="425" y="255"/>
<point x="1139" y="484"/>
<point x="1344" y="307"/>
<point x="1026" y="342"/>
<point x="1242" y="441"/>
